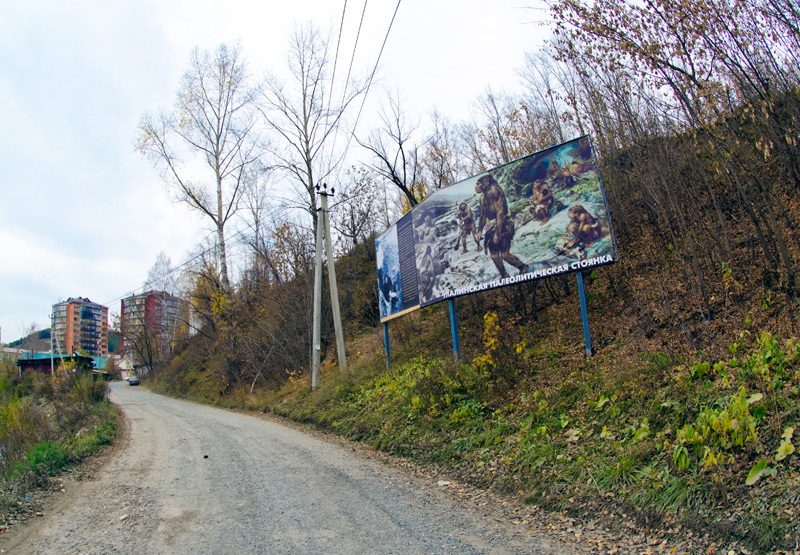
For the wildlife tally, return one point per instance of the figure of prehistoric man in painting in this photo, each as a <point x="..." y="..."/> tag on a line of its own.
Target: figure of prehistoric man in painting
<point x="583" y="229"/>
<point x="466" y="227"/>
<point x="499" y="227"/>
<point x="426" y="231"/>
<point x="542" y="201"/>
<point x="564" y="178"/>
<point x="427" y="274"/>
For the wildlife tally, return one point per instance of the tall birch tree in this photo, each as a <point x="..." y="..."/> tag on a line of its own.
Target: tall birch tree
<point x="213" y="122"/>
<point x="306" y="112"/>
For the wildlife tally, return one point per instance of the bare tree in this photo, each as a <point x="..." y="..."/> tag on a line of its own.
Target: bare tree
<point x="306" y="113"/>
<point x="162" y="276"/>
<point x="212" y="120"/>
<point x="355" y="214"/>
<point x="256" y="201"/>
<point x="494" y="109"/>
<point x="30" y="338"/>
<point x="395" y="154"/>
<point x="725" y="73"/>
<point x="549" y="83"/>
<point x="505" y="127"/>
<point x="142" y="343"/>
<point x="442" y="159"/>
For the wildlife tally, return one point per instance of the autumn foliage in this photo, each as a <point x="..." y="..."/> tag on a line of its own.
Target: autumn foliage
<point x="693" y="110"/>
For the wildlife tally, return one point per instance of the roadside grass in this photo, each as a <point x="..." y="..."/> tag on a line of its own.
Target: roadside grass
<point x="46" y="426"/>
<point x="698" y="444"/>
<point x="684" y="444"/>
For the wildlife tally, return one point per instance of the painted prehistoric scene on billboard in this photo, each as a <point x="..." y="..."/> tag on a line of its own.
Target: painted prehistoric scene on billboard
<point x="541" y="215"/>
<point x="390" y="293"/>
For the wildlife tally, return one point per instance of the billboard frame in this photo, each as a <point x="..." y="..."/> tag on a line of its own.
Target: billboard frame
<point x="548" y="208"/>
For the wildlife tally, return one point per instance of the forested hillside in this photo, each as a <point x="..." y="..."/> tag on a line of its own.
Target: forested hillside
<point x="687" y="408"/>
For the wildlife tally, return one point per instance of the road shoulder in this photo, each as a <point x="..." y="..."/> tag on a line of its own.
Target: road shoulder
<point x="54" y="499"/>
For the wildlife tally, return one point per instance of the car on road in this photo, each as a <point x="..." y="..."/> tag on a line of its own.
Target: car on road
<point x="133" y="380"/>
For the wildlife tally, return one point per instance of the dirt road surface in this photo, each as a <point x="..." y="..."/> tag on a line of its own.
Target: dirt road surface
<point x="189" y="478"/>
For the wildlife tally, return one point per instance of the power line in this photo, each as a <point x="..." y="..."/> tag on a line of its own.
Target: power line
<point x="371" y="75"/>
<point x="347" y="79"/>
<point x="242" y="238"/>
<point x="377" y="61"/>
<point x="336" y="59"/>
<point x="203" y="253"/>
<point x="355" y="47"/>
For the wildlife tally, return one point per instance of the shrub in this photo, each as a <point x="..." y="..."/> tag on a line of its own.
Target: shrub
<point x="85" y="391"/>
<point x="21" y="425"/>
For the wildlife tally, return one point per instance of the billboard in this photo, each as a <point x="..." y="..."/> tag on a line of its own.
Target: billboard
<point x="538" y="216"/>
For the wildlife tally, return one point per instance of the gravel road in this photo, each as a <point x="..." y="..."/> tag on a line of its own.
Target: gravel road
<point x="189" y="478"/>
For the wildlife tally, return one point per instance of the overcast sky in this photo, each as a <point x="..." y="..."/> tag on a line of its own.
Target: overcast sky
<point x="83" y="214"/>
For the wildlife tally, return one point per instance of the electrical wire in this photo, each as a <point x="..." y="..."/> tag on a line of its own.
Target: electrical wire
<point x="242" y="238"/>
<point x="371" y="76"/>
<point x="336" y="59"/>
<point x="355" y="47"/>
<point x="347" y="79"/>
<point x="172" y="271"/>
<point x="377" y="62"/>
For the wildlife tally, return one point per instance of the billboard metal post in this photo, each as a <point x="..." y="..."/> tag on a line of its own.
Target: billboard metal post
<point x="454" y="330"/>
<point x="584" y="314"/>
<point x="386" y="343"/>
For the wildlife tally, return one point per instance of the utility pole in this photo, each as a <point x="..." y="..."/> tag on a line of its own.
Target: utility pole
<point x="324" y="230"/>
<point x="52" y="351"/>
<point x="316" y="340"/>
<point x="54" y="341"/>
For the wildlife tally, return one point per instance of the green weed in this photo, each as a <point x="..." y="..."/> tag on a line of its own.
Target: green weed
<point x="43" y="460"/>
<point x="42" y="427"/>
<point x="666" y="437"/>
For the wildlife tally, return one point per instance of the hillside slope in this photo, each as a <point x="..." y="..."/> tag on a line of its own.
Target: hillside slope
<point x="684" y="415"/>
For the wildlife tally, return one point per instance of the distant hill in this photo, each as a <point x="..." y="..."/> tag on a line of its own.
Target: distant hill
<point x="37" y="335"/>
<point x="37" y="341"/>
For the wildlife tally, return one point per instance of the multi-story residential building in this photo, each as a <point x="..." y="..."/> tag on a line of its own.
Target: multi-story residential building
<point x="149" y="321"/>
<point x="80" y="326"/>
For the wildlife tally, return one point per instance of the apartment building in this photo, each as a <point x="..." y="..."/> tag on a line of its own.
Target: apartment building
<point x="151" y="317"/>
<point x="79" y="325"/>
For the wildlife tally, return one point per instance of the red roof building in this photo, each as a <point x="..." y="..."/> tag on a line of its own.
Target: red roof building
<point x="153" y="314"/>
<point x="80" y="326"/>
